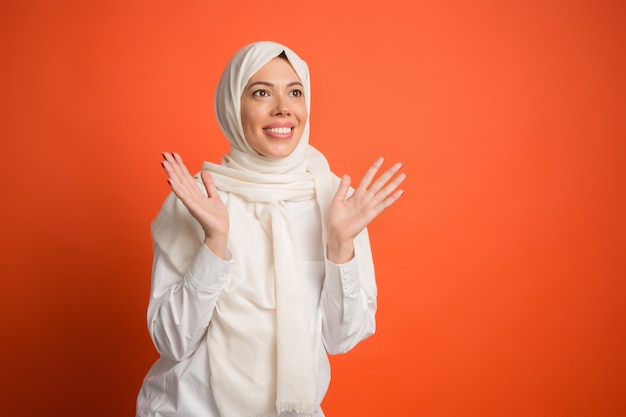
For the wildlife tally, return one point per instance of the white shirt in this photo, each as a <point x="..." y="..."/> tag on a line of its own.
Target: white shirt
<point x="180" y="308"/>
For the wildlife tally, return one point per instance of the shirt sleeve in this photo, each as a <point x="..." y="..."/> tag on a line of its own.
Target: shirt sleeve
<point x="181" y="306"/>
<point x="348" y="300"/>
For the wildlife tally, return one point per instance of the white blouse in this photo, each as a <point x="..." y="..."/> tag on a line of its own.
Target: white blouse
<point x="180" y="308"/>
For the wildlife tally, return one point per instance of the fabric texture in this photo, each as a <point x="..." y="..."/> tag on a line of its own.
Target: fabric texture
<point x="259" y="339"/>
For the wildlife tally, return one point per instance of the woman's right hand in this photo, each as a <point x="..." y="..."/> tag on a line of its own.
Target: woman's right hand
<point x="209" y="211"/>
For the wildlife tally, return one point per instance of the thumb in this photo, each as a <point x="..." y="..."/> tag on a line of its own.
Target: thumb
<point x="209" y="183"/>
<point x="344" y="186"/>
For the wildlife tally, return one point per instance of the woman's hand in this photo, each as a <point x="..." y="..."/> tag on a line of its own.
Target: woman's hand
<point x="209" y="211"/>
<point x="347" y="217"/>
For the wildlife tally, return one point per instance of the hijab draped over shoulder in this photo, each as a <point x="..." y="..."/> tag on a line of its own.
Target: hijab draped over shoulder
<point x="259" y="338"/>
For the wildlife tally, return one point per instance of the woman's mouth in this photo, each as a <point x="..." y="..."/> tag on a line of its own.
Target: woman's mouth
<point x="279" y="130"/>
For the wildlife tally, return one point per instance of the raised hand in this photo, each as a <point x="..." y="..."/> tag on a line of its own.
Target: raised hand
<point x="209" y="211"/>
<point x="348" y="216"/>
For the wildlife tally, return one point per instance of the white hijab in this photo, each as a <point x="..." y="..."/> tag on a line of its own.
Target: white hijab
<point x="259" y="338"/>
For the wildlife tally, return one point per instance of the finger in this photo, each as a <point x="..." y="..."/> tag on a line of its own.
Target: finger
<point x="177" y="170"/>
<point x="371" y="173"/>
<point x="181" y="163"/>
<point x="386" y="203"/>
<point x="344" y="186"/>
<point x="167" y="167"/>
<point x="209" y="184"/>
<point x="179" y="179"/>
<point x="389" y="188"/>
<point x="385" y="177"/>
<point x="174" y="176"/>
<point x="169" y="158"/>
<point x="174" y="162"/>
<point x="170" y="164"/>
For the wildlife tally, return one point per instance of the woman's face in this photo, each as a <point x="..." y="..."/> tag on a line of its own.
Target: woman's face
<point x="273" y="109"/>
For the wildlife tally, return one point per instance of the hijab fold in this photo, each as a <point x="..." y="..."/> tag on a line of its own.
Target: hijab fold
<point x="259" y="339"/>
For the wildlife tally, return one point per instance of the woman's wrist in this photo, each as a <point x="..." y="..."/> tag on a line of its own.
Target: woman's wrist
<point x="217" y="245"/>
<point x="340" y="252"/>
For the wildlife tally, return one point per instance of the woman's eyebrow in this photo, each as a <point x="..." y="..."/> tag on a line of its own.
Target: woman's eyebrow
<point x="260" y="83"/>
<point x="268" y="84"/>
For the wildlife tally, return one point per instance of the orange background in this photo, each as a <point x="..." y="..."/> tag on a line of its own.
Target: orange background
<point x="501" y="271"/>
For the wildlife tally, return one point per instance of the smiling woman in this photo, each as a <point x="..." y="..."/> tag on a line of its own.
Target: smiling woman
<point x="262" y="264"/>
<point x="273" y="110"/>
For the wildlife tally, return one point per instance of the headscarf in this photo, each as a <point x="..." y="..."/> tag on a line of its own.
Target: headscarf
<point x="259" y="339"/>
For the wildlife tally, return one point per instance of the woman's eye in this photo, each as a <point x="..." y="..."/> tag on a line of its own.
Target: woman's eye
<point x="296" y="93"/>
<point x="260" y="93"/>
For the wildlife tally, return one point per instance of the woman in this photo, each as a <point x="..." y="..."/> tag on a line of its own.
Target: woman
<point x="262" y="264"/>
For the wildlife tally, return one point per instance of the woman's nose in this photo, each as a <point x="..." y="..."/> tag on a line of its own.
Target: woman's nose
<point x="281" y="107"/>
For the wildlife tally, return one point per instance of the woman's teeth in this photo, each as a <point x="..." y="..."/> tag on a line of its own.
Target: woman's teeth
<point x="279" y="130"/>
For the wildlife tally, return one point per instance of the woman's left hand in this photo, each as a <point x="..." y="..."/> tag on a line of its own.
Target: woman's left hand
<point x="348" y="216"/>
